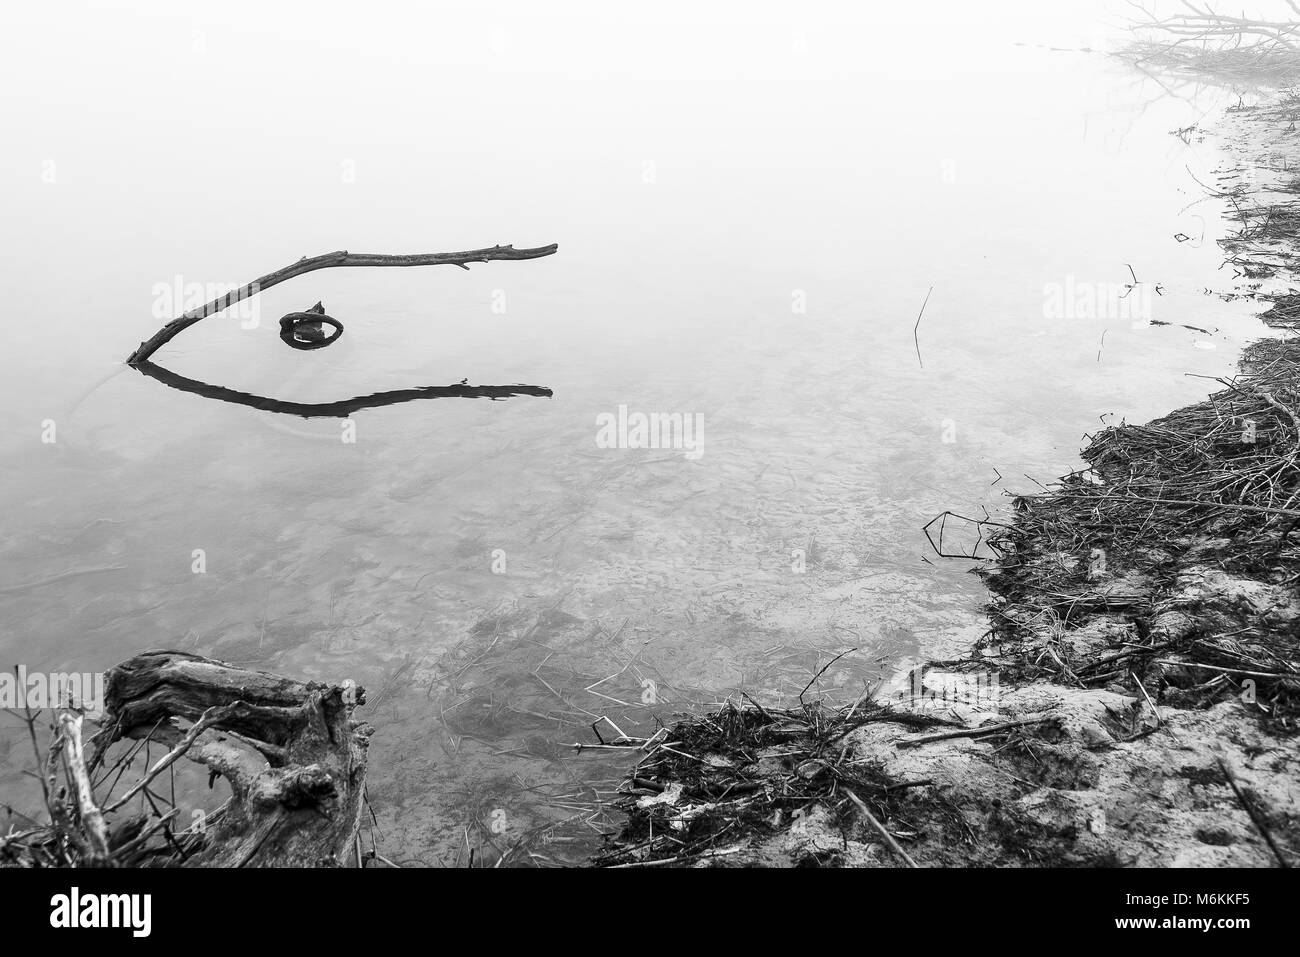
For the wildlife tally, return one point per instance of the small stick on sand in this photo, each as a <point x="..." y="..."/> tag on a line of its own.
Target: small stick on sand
<point x="889" y="838"/>
<point x="971" y="732"/>
<point x="1254" y="815"/>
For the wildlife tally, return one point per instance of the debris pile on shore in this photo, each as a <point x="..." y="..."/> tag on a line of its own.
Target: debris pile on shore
<point x="753" y="770"/>
<point x="1172" y="562"/>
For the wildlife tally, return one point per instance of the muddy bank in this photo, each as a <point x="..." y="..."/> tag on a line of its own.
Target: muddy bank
<point x="1137" y="698"/>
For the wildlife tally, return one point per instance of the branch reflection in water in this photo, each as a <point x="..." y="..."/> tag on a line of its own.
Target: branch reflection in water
<point x="343" y="407"/>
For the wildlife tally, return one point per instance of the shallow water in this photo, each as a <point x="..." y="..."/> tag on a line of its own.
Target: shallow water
<point x="749" y="220"/>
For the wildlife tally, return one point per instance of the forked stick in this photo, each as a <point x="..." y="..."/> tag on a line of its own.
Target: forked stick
<point x="327" y="261"/>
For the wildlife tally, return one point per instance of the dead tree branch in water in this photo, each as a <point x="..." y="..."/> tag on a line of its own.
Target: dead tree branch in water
<point x="1210" y="26"/>
<point x="1226" y="50"/>
<point x="327" y="261"/>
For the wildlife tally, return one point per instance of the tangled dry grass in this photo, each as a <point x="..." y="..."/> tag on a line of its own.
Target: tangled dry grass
<point x="1138" y="538"/>
<point x="1227" y="465"/>
<point x="745" y="770"/>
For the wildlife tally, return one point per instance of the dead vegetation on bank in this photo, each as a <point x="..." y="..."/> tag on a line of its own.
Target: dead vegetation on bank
<point x="745" y="770"/>
<point x="867" y="784"/>
<point x="1170" y="565"/>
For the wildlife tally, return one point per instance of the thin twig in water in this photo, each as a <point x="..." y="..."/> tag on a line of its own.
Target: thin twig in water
<point x="823" y="671"/>
<point x="916" y="328"/>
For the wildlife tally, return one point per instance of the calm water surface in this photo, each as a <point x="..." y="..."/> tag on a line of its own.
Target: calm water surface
<point x="749" y="219"/>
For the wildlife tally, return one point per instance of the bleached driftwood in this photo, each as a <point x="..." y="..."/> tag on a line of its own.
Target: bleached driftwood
<point x="293" y="755"/>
